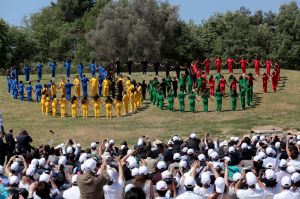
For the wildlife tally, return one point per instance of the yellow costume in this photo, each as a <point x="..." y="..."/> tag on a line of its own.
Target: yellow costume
<point x="136" y="99"/>
<point x="132" y="104"/>
<point x="43" y="101"/>
<point x="97" y="108"/>
<point x="85" y="109"/>
<point x="119" y="108"/>
<point x="47" y="105"/>
<point x="94" y="83"/>
<point x="108" y="107"/>
<point x="76" y="83"/>
<point x="125" y="103"/>
<point x="54" y="105"/>
<point x="139" y="90"/>
<point x="74" y="108"/>
<point x="53" y="89"/>
<point x="62" y="87"/>
<point x="105" y="85"/>
<point x="63" y="105"/>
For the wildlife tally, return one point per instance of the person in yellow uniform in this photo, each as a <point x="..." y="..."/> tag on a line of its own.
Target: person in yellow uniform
<point x="53" y="88"/>
<point x="74" y="105"/>
<point x="46" y="89"/>
<point x="76" y="83"/>
<point x="105" y="85"/>
<point x="128" y="83"/>
<point x="62" y="86"/>
<point x="136" y="100"/>
<point x="63" y="106"/>
<point x="94" y="84"/>
<point x="43" y="101"/>
<point x="47" y="104"/>
<point x="125" y="102"/>
<point x="130" y="89"/>
<point x="139" y="90"/>
<point x="108" y="106"/>
<point x="119" y="104"/>
<point x="97" y="102"/>
<point x="132" y="104"/>
<point x="54" y="105"/>
<point x="85" y="107"/>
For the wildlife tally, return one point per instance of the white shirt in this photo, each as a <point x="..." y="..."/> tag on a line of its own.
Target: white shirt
<point x="286" y="194"/>
<point x="280" y="174"/>
<point x="270" y="192"/>
<point x="72" y="193"/>
<point x="201" y="191"/>
<point x="295" y="163"/>
<point x="270" y="159"/>
<point x="250" y="193"/>
<point x="189" y="195"/>
<point x="114" y="191"/>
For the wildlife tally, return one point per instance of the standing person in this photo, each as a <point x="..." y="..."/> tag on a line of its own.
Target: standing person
<point x="233" y="84"/>
<point x="129" y="66"/>
<point x="93" y="68"/>
<point x="125" y="102"/>
<point x="94" y="84"/>
<point x="39" y="68"/>
<point x="29" y="90"/>
<point x="181" y="99"/>
<point x="144" y="89"/>
<point x="100" y="82"/>
<point x="119" y="104"/>
<point x="268" y="65"/>
<point x="68" y="87"/>
<point x="211" y="83"/>
<point x="54" y="105"/>
<point x="222" y="84"/>
<point x="192" y="98"/>
<point x="167" y="68"/>
<point x="43" y="100"/>
<point x="205" y="96"/>
<point x="234" y="96"/>
<point x="219" y="96"/>
<point x="265" y="80"/>
<point x="206" y="64"/>
<point x="47" y="104"/>
<point x="249" y="96"/>
<point x="8" y="78"/>
<point x="84" y="83"/>
<point x="85" y="107"/>
<point x="74" y="106"/>
<point x="52" y="68"/>
<point x="161" y="99"/>
<point x="38" y="91"/>
<point x="175" y="86"/>
<point x="118" y="66"/>
<point x="218" y="63"/>
<point x="80" y="68"/>
<point x="274" y="79"/>
<point x="53" y="88"/>
<point x="243" y="62"/>
<point x="67" y="65"/>
<point x="63" y="106"/>
<point x="243" y="97"/>
<point x="62" y="86"/>
<point x="21" y="90"/>
<point x="171" y="100"/>
<point x="230" y="63"/>
<point x="277" y="68"/>
<point x="156" y="66"/>
<point x="97" y="102"/>
<point x="14" y="88"/>
<point x="108" y="106"/>
<point x="257" y="64"/>
<point x="189" y="84"/>
<point x="106" y="84"/>
<point x="144" y="67"/>
<point x="27" y="70"/>
<point x="76" y="83"/>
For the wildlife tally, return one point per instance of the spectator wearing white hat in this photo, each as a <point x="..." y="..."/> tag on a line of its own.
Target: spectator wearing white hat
<point x="272" y="187"/>
<point x="168" y="154"/>
<point x="161" y="189"/>
<point x="12" y="167"/>
<point x="193" y="142"/>
<point x="176" y="160"/>
<point x="151" y="161"/>
<point x="206" y="188"/>
<point x="293" y="156"/>
<point x="296" y="184"/>
<point x="271" y="158"/>
<point x="189" y="184"/>
<point x="282" y="170"/>
<point x="220" y="189"/>
<point x="286" y="192"/>
<point x="114" y="188"/>
<point x="252" y="191"/>
<point x="142" y="181"/>
<point x="160" y="167"/>
<point x="73" y="192"/>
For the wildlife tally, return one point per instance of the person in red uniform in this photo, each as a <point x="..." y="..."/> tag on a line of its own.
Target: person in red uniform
<point x="218" y="63"/>
<point x="257" y="64"/>
<point x="243" y="64"/>
<point x="265" y="79"/>
<point x="277" y="67"/>
<point x="230" y="63"/>
<point x="204" y="81"/>
<point x="274" y="81"/>
<point x="268" y="65"/>
<point x="211" y="83"/>
<point x="222" y="84"/>
<point x="233" y="84"/>
<point x="206" y="64"/>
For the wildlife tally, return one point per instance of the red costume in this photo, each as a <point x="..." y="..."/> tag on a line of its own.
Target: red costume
<point x="230" y="62"/>
<point x="222" y="84"/>
<point x="243" y="63"/>
<point x="256" y="63"/>
<point x="211" y="87"/>
<point x="265" y="80"/>
<point x="206" y="64"/>
<point x="218" y="63"/>
<point x="233" y="84"/>
<point x="274" y="81"/>
<point x="268" y="67"/>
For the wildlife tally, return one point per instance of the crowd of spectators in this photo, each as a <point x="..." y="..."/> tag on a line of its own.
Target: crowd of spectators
<point x="256" y="166"/>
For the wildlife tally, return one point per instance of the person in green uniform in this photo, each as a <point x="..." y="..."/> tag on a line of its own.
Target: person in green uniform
<point x="230" y="78"/>
<point x="248" y="96"/>
<point x="154" y="91"/>
<point x="205" y="96"/>
<point x="181" y="82"/>
<point x="243" y="97"/>
<point x="218" y="96"/>
<point x="181" y="99"/>
<point x="189" y="81"/>
<point x="171" y="100"/>
<point x="161" y="99"/>
<point x="192" y="98"/>
<point x="155" y="82"/>
<point x="234" y="96"/>
<point x="241" y="82"/>
<point x="168" y="83"/>
<point x="217" y="78"/>
<point x="158" y="92"/>
<point x="199" y="84"/>
<point x="150" y="89"/>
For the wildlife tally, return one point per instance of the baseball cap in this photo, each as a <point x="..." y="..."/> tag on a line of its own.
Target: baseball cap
<point x="283" y="163"/>
<point x="165" y="175"/>
<point x="214" y="155"/>
<point x="44" y="177"/>
<point x="190" y="151"/>
<point x="14" y="166"/>
<point x="111" y="142"/>
<point x="74" y="179"/>
<point x="35" y="161"/>
<point x="90" y="164"/>
<point x="270" y="174"/>
<point x="270" y="165"/>
<point x="295" y="177"/>
<point x="201" y="157"/>
<point x="270" y="151"/>
<point x="184" y="149"/>
<point x="183" y="164"/>
<point x="161" y="165"/>
<point x="250" y="178"/>
<point x="220" y="185"/>
<point x="262" y="138"/>
<point x="262" y="155"/>
<point x="170" y="142"/>
<point x="161" y="186"/>
<point x="254" y="138"/>
<point x="205" y="178"/>
<point x="112" y="175"/>
<point x="277" y="145"/>
<point x="193" y="135"/>
<point x="231" y="149"/>
<point x="143" y="170"/>
<point x="42" y="162"/>
<point x="128" y="187"/>
<point x="93" y="145"/>
<point x="244" y="146"/>
<point x="134" y="172"/>
<point x="176" y="156"/>
<point x="13" y="180"/>
<point x="257" y="158"/>
<point x="62" y="160"/>
<point x="69" y="149"/>
<point x="189" y="182"/>
<point x="286" y="182"/>
<point x="175" y="138"/>
<point x="236" y="177"/>
<point x="30" y="171"/>
<point x="82" y="157"/>
<point x="291" y="169"/>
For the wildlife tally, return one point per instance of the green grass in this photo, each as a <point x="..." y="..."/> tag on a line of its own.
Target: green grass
<point x="281" y="109"/>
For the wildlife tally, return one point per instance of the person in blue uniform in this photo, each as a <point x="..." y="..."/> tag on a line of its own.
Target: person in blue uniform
<point x="8" y="79"/>
<point x="67" y="65"/>
<point x="100" y="81"/>
<point x="102" y="71"/>
<point x="38" y="91"/>
<point x="27" y="70"/>
<point x="80" y="68"/>
<point x="84" y="83"/>
<point x="29" y="92"/>
<point x="53" y="68"/>
<point x="68" y="87"/>
<point x="21" y="90"/>
<point x="14" y="87"/>
<point x="93" y="68"/>
<point x="39" y="71"/>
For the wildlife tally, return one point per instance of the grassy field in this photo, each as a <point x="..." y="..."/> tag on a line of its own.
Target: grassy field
<point x="281" y="109"/>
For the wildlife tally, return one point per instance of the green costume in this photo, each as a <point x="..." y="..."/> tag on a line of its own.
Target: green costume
<point x="192" y="98"/>
<point x="168" y="83"/>
<point x="205" y="97"/>
<point x="181" y="82"/>
<point x="199" y="84"/>
<point x="249" y="96"/>
<point x="189" y="84"/>
<point x="161" y="100"/>
<point x="243" y="98"/>
<point x="217" y="78"/>
<point x="181" y="97"/>
<point x="154" y="96"/>
<point x="219" y="96"/>
<point x="234" y="96"/>
<point x="171" y="100"/>
<point x="241" y="84"/>
<point x="150" y="90"/>
<point x="157" y="98"/>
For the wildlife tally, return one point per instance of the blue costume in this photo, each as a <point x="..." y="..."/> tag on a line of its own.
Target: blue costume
<point x="68" y="87"/>
<point x="84" y="82"/>
<point x="39" y="71"/>
<point x="21" y="91"/>
<point x="67" y="65"/>
<point x="8" y="78"/>
<point x="102" y="71"/>
<point x="80" y="69"/>
<point x="38" y="92"/>
<point x="29" y="93"/>
<point x="52" y="68"/>
<point x="15" y="74"/>
<point x="14" y="87"/>
<point x="27" y="70"/>
<point x="93" y="69"/>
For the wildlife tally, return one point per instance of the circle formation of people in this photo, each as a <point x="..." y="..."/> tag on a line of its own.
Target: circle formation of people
<point x="257" y="166"/>
<point x="123" y="93"/>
